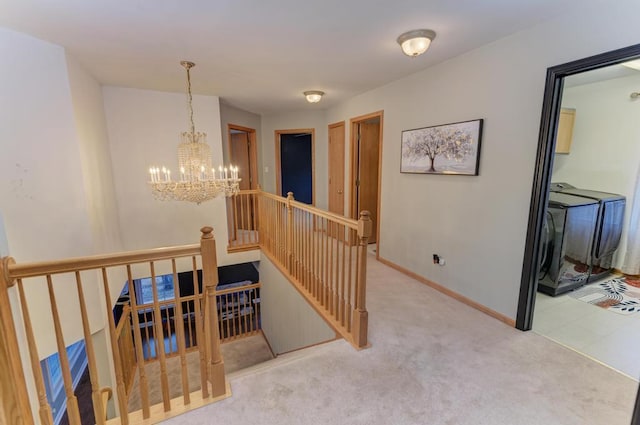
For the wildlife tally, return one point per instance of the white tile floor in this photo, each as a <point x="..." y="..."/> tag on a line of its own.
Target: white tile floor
<point x="606" y="336"/>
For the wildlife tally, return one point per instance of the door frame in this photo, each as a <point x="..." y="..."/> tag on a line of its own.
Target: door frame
<point x="542" y="177"/>
<point x="543" y="166"/>
<point x="353" y="122"/>
<point x="311" y="131"/>
<point x="253" y="154"/>
<point x="329" y="162"/>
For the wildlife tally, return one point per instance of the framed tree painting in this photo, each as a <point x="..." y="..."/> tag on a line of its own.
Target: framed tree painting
<point x="442" y="149"/>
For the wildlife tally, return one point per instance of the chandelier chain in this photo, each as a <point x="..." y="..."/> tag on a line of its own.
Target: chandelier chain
<point x="190" y="100"/>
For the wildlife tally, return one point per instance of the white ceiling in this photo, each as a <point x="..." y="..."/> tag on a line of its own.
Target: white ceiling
<point x="260" y="55"/>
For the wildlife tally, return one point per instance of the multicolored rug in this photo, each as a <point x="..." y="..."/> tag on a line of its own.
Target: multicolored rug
<point x="620" y="294"/>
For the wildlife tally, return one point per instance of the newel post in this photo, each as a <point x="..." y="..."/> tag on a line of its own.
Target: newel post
<point x="361" y="316"/>
<point x="14" y="400"/>
<point x="289" y="232"/>
<point x="209" y="283"/>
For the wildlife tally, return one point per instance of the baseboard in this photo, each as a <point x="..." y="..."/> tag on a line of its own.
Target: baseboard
<point x="509" y="321"/>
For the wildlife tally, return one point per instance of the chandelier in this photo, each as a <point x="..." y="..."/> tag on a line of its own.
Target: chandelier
<point x="198" y="180"/>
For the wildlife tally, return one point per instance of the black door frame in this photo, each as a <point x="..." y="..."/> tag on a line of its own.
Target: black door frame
<point x="542" y="176"/>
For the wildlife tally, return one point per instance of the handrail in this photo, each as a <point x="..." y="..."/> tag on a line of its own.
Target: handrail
<point x="237" y="288"/>
<point x="340" y="219"/>
<point x="24" y="270"/>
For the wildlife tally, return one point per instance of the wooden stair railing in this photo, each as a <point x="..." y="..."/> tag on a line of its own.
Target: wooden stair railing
<point x="14" y="404"/>
<point x="324" y="256"/>
<point x="242" y="220"/>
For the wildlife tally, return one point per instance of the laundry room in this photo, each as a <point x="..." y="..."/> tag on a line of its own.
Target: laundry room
<point x="589" y="276"/>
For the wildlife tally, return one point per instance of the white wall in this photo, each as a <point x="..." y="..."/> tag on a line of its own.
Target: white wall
<point x="144" y="129"/>
<point x="288" y="321"/>
<point x="91" y="128"/>
<point x="290" y="121"/>
<point x="232" y="115"/>
<point x="42" y="192"/>
<point x="478" y="224"/>
<point x="605" y="154"/>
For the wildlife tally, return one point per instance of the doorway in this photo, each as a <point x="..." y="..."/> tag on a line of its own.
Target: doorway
<point x="243" y="153"/>
<point x="241" y="210"/>
<point x="366" y="150"/>
<point x="295" y="164"/>
<point x="336" y="168"/>
<point x="550" y="122"/>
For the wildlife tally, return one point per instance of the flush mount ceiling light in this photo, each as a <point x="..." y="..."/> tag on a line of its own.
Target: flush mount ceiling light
<point x="634" y="64"/>
<point x="416" y="42"/>
<point x="313" y="96"/>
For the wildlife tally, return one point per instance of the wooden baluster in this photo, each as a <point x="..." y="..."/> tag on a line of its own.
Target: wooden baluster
<point x="123" y="346"/>
<point x="299" y="251"/>
<point x="146" y="333"/>
<point x="178" y="322"/>
<point x="303" y="248"/>
<point x="245" y="310"/>
<point x="200" y="337"/>
<point x="158" y="335"/>
<point x="256" y="309"/>
<point x="316" y="256"/>
<point x="131" y="354"/>
<point x="96" y="395"/>
<point x="252" y="310"/>
<point x="228" y="302"/>
<point x="349" y="306"/>
<point x="189" y="321"/>
<point x="237" y="226"/>
<point x="294" y="243"/>
<point x="210" y="281"/>
<point x="342" y="273"/>
<point x="360" y="319"/>
<point x="325" y="276"/>
<point x="282" y="232"/>
<point x="143" y="384"/>
<point x="169" y="338"/>
<point x="332" y="269"/>
<point x="254" y="217"/>
<point x="115" y="352"/>
<point x="72" y="402"/>
<point x="308" y="251"/>
<point x="244" y="217"/>
<point x="275" y="219"/>
<point x="45" y="410"/>
<point x="14" y="399"/>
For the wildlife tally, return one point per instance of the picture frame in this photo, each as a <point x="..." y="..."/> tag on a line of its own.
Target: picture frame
<point x="442" y="149"/>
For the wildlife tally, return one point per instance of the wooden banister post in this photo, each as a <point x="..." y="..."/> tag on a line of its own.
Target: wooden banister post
<point x="209" y="282"/>
<point x="361" y="316"/>
<point x="14" y="399"/>
<point x="289" y="232"/>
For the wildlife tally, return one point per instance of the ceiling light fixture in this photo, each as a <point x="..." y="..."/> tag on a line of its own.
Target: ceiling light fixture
<point x="198" y="180"/>
<point x="416" y="42"/>
<point x="313" y="96"/>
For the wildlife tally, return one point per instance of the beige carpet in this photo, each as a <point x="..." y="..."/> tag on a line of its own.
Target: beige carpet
<point x="433" y="361"/>
<point x="237" y="355"/>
